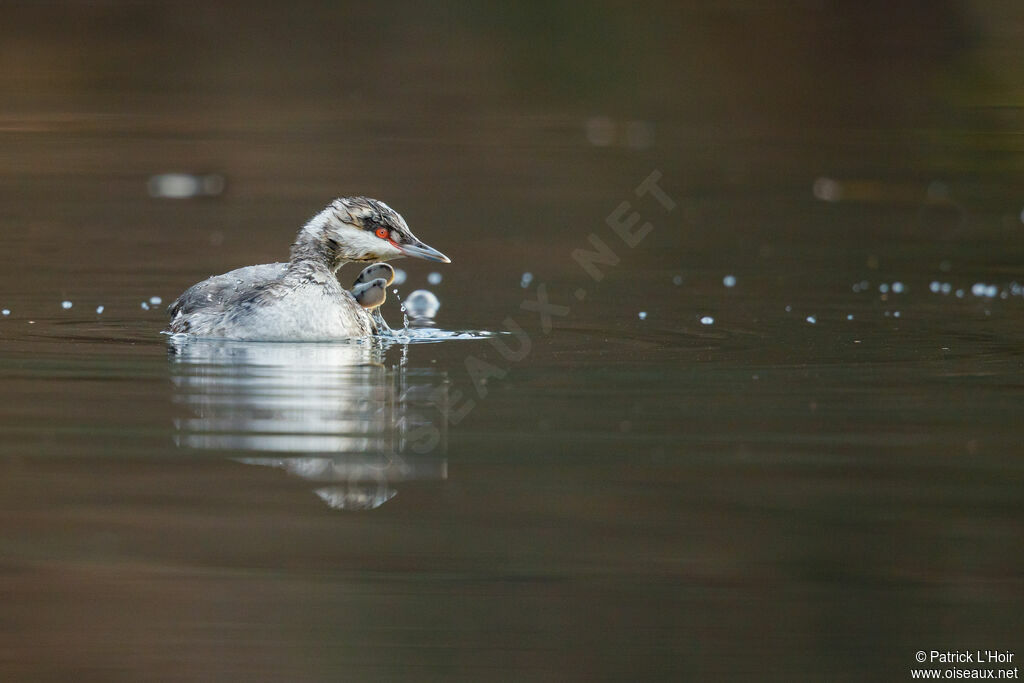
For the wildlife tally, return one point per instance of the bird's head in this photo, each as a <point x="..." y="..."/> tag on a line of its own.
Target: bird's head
<point x="364" y="229"/>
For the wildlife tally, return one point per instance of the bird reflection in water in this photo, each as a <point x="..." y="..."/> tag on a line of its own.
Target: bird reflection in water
<point x="333" y="414"/>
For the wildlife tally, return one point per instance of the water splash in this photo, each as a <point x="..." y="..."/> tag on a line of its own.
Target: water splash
<point x="418" y="326"/>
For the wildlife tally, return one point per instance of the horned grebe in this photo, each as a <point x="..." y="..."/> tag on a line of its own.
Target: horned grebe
<point x="302" y="300"/>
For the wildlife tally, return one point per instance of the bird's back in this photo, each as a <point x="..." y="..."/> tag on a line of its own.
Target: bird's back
<point x="273" y="302"/>
<point x="208" y="299"/>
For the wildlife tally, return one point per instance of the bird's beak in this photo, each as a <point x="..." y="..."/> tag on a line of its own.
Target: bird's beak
<point x="420" y="250"/>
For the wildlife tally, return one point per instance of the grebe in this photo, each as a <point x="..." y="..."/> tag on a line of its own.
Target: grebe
<point x="302" y="300"/>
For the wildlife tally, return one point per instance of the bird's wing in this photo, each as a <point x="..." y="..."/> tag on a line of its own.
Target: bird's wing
<point x="212" y="293"/>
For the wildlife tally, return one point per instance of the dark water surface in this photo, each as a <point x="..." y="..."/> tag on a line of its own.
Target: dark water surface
<point x="813" y="486"/>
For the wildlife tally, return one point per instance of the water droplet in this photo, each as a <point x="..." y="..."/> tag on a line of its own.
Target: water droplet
<point x="729" y="280"/>
<point x="896" y="314"/>
<point x="811" y="319"/>
<point x="99" y="309"/>
<point x="991" y="291"/>
<point x="155" y="300"/>
<point x="6" y="311"/>
<point x="945" y="266"/>
<point x="935" y="286"/>
<point x="677" y="280"/>
<point x="849" y="316"/>
<point x="789" y="309"/>
<point x="883" y="288"/>
<point x="642" y="315"/>
<point x="145" y="306"/>
<point x="434" y="278"/>
<point x="959" y="294"/>
<point x="422" y="304"/>
<point x="66" y="305"/>
<point x="399" y="276"/>
<point x="526" y="279"/>
<point x="897" y="287"/>
<point x="978" y="289"/>
<point x="707" y="320"/>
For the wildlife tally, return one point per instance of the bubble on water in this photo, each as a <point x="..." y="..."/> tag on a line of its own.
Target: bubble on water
<point x="639" y="134"/>
<point x="897" y="287"/>
<point x="99" y="309"/>
<point x="525" y="279"/>
<point x="729" y="280"/>
<point x="422" y="304"/>
<point x="600" y="131"/>
<point x="155" y="301"/>
<point x="707" y="320"/>
<point x="677" y="280"/>
<point x="959" y="294"/>
<point x="184" y="185"/>
<point x="978" y="289"/>
<point x="6" y="311"/>
<point x="827" y="190"/>
<point x="434" y="278"/>
<point x="399" y="276"/>
<point x="145" y="306"/>
<point x="883" y="288"/>
<point x="642" y="315"/>
<point x="811" y="319"/>
<point x="849" y="316"/>
<point x="66" y="305"/>
<point x="935" y="286"/>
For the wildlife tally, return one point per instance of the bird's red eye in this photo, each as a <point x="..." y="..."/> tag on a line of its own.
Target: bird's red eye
<point x="381" y="233"/>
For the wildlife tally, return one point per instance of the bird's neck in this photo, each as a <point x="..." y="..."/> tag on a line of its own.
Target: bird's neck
<point x="313" y="249"/>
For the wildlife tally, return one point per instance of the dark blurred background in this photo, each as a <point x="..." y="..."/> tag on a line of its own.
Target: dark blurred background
<point x="814" y="485"/>
<point x="525" y="121"/>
